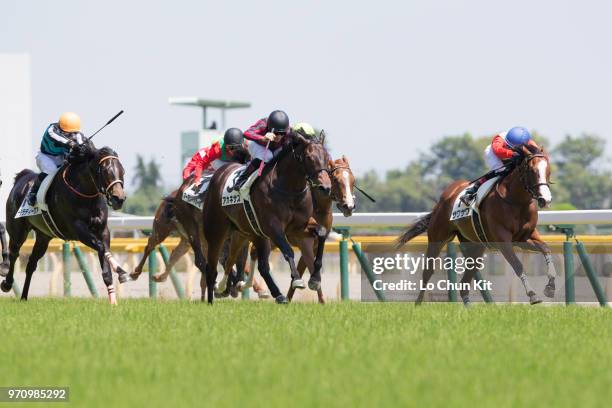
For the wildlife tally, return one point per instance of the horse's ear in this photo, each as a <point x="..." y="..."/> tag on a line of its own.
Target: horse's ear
<point x="525" y="150"/>
<point x="345" y="159"/>
<point x="331" y="163"/>
<point x="322" y="136"/>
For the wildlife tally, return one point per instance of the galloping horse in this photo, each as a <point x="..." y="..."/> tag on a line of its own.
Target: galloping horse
<point x="166" y="223"/>
<point x="283" y="203"/>
<point x="342" y="183"/>
<point x="77" y="200"/>
<point x="509" y="216"/>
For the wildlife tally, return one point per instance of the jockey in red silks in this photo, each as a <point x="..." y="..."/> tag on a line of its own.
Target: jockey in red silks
<point x="500" y="156"/>
<point x="266" y="138"/>
<point x="209" y="159"/>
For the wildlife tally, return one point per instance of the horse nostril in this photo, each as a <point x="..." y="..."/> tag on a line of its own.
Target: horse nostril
<point x="542" y="202"/>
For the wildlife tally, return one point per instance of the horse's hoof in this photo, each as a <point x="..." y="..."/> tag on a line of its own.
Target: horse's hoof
<point x="281" y="300"/>
<point x="4" y="268"/>
<point x="534" y="299"/>
<point x="123" y="278"/>
<point x="5" y="286"/>
<point x="549" y="291"/>
<point x="160" y="277"/>
<point x="134" y="276"/>
<point x="264" y="294"/>
<point x="234" y="291"/>
<point x="223" y="294"/>
<point x="297" y="284"/>
<point x="467" y="302"/>
<point x="241" y="285"/>
<point x="314" y="284"/>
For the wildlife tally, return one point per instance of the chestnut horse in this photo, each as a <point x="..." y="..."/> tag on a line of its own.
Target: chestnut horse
<point x="509" y="216"/>
<point x="283" y="203"/>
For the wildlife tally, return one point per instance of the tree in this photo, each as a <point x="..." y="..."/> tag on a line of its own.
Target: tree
<point x="147" y="177"/>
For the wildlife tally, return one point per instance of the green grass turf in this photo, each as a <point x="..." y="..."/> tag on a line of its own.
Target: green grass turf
<point x="178" y="353"/>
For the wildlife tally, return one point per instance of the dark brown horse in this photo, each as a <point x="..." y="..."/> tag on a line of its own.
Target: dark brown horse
<point x="77" y="200"/>
<point x="283" y="203"/>
<point x="509" y="216"/>
<point x="165" y="223"/>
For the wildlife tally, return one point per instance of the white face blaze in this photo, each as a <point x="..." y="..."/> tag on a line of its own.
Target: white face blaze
<point x="544" y="189"/>
<point x="348" y="195"/>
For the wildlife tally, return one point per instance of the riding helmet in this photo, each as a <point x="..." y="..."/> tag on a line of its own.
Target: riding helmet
<point x="305" y="130"/>
<point x="517" y="136"/>
<point x="278" y="122"/>
<point x="233" y="137"/>
<point x="69" y="122"/>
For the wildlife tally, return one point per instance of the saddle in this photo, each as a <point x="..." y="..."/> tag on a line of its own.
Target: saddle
<point x="461" y="211"/>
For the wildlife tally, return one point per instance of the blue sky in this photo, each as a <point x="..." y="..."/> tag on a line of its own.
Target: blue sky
<point x="385" y="78"/>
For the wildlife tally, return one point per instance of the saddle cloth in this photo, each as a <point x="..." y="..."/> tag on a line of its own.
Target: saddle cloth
<point x="26" y="210"/>
<point x="41" y="208"/>
<point x="243" y="196"/>
<point x="195" y="196"/>
<point x="461" y="211"/>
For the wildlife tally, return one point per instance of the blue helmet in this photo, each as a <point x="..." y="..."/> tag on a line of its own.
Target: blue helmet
<point x="517" y="136"/>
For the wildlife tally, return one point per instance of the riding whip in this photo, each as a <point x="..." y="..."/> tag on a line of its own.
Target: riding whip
<point x="107" y="123"/>
<point x="364" y="193"/>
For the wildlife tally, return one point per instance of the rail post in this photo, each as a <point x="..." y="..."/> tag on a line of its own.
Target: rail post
<point x="451" y="251"/>
<point x="568" y="265"/>
<point x="368" y="271"/>
<point x="176" y="282"/>
<point x="591" y="274"/>
<point x="84" y="270"/>
<point x="344" y="262"/>
<point x="152" y="271"/>
<point x="66" y="265"/>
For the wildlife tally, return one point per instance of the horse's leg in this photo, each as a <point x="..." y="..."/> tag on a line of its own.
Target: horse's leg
<point x="177" y="253"/>
<point x="4" y="266"/>
<point x="236" y="245"/>
<point x="229" y="246"/>
<point x="535" y="243"/>
<point x="507" y="251"/>
<point x="433" y="250"/>
<point x="470" y="250"/>
<point x="158" y="235"/>
<point x="122" y="275"/>
<point x="97" y="243"/>
<point x="280" y="240"/>
<point x="263" y="254"/>
<point x="18" y="230"/>
<point x="40" y="247"/>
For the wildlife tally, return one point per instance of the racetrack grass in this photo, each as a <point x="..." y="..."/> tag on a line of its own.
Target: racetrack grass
<point x="154" y="353"/>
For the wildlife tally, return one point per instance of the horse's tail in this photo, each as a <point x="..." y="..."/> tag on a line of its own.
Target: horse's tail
<point x="419" y="227"/>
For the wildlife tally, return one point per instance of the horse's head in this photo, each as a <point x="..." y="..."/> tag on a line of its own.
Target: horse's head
<point x="312" y="155"/>
<point x="107" y="172"/>
<point x="534" y="171"/>
<point x="342" y="182"/>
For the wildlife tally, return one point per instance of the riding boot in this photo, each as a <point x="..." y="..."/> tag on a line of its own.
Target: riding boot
<point x="471" y="191"/>
<point x="253" y="165"/>
<point x="34" y="189"/>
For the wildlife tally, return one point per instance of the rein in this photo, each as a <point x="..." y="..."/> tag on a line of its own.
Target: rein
<point x="529" y="188"/>
<point x="100" y="191"/>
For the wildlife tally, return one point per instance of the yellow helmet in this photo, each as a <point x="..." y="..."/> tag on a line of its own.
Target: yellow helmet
<point x="304" y="129"/>
<point x="70" y="122"/>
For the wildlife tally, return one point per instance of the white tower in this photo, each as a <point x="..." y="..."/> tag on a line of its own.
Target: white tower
<point x="16" y="152"/>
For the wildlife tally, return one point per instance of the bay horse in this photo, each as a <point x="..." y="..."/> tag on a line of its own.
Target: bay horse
<point x="283" y="203"/>
<point x="89" y="181"/>
<point x="509" y="217"/>
<point x="165" y="223"/>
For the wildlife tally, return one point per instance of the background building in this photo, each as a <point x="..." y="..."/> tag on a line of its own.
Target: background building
<point x="16" y="150"/>
<point x="192" y="140"/>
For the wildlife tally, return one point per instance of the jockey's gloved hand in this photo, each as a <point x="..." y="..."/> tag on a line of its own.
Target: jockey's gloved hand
<point x="270" y="136"/>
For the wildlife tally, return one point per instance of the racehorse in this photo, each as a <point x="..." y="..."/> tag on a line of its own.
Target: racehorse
<point x="77" y="199"/>
<point x="164" y="224"/>
<point x="342" y="183"/>
<point x="283" y="203"/>
<point x="509" y="216"/>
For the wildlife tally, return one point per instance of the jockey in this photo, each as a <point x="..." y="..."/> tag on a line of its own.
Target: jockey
<point x="500" y="157"/>
<point x="56" y="143"/>
<point x="209" y="159"/>
<point x="267" y="137"/>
